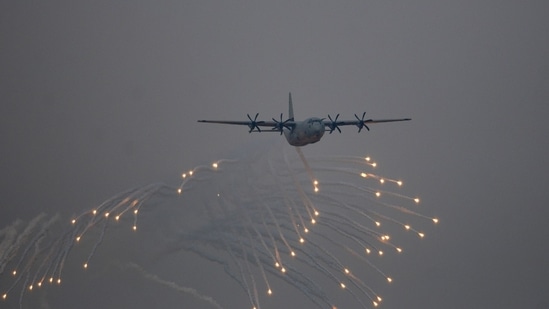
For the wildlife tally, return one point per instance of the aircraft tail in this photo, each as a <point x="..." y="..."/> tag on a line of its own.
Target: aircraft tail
<point x="290" y="108"/>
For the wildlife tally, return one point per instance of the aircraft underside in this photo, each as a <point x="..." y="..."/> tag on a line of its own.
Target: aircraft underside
<point x="309" y="131"/>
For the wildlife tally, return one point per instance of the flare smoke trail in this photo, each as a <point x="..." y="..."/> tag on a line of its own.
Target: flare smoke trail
<point x="272" y="221"/>
<point x="174" y="286"/>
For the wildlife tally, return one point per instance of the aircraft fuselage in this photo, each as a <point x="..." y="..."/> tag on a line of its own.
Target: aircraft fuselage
<point x="305" y="132"/>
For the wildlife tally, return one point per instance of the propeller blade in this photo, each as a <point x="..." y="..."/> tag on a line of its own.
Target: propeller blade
<point x="361" y="123"/>
<point x="334" y="125"/>
<point x="254" y="123"/>
<point x="280" y="125"/>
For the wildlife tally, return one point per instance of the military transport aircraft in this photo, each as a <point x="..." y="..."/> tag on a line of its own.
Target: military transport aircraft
<point x="308" y="131"/>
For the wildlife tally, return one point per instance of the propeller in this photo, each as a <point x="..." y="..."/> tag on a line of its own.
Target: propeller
<point x="334" y="124"/>
<point x="254" y="124"/>
<point x="279" y="125"/>
<point x="361" y="124"/>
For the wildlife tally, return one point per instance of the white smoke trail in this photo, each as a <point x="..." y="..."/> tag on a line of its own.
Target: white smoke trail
<point x="8" y="234"/>
<point x="174" y="286"/>
<point x="22" y="238"/>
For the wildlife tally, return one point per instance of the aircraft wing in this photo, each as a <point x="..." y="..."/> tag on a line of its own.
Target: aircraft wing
<point x="242" y="123"/>
<point x="360" y="123"/>
<point x="254" y="125"/>
<point x="357" y="122"/>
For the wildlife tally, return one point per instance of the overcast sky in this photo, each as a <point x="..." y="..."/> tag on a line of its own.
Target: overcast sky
<point x="98" y="97"/>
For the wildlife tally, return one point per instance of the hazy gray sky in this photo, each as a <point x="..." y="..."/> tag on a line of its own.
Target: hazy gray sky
<point x="99" y="97"/>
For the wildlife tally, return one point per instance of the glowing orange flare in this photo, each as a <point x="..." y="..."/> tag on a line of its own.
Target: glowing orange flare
<point x="363" y="175"/>
<point x="30" y="287"/>
<point x="375" y="303"/>
<point x="292" y="253"/>
<point x="117" y="218"/>
<point x="78" y="238"/>
<point x="407" y="227"/>
<point x="179" y="191"/>
<point x="378" y="194"/>
<point x="85" y="265"/>
<point x="283" y="270"/>
<point x="421" y="235"/>
<point x="435" y="220"/>
<point x="399" y="250"/>
<point x="382" y="180"/>
<point x="269" y="292"/>
<point x="4" y="296"/>
<point x="367" y="158"/>
<point x="135" y="227"/>
<point x="94" y="212"/>
<point x="399" y="183"/>
<point x="214" y="165"/>
<point x="374" y="164"/>
<point x="389" y="279"/>
<point x="378" y="223"/>
<point x="380" y="252"/>
<point x="14" y="272"/>
<point x="301" y="240"/>
<point x="416" y="200"/>
<point x="73" y="221"/>
<point x="346" y="271"/>
<point x="59" y="281"/>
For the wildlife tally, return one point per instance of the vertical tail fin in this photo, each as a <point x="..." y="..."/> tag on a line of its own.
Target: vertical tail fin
<point x="290" y="108"/>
